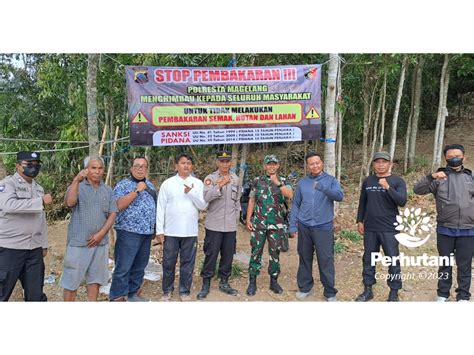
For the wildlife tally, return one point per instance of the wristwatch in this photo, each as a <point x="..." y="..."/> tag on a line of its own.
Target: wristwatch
<point x="138" y="192"/>
<point x="281" y="184"/>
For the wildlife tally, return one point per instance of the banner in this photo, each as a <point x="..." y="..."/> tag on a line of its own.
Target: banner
<point x="187" y="106"/>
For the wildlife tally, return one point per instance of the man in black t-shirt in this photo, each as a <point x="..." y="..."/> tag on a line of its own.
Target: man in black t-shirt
<point x="381" y="195"/>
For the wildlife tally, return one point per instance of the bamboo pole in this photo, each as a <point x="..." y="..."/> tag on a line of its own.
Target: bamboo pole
<point x="108" y="179"/>
<point x="101" y="147"/>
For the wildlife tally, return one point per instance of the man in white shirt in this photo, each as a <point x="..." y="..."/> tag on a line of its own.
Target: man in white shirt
<point x="177" y="213"/>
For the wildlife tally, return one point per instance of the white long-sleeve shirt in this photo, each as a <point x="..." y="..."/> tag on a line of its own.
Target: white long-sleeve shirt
<point x="177" y="213"/>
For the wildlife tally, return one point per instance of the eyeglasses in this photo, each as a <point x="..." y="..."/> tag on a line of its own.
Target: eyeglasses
<point x="140" y="167"/>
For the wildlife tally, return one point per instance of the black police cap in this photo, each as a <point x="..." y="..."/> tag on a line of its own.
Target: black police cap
<point x="27" y="156"/>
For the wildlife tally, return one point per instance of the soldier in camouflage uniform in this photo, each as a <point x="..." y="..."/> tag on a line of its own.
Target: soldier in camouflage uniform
<point x="265" y="218"/>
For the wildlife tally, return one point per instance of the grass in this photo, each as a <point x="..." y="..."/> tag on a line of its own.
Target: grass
<point x="351" y="235"/>
<point x="236" y="271"/>
<point x="339" y="247"/>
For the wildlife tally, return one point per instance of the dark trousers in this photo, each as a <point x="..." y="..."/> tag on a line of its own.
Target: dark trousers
<point x="462" y="247"/>
<point x="372" y="243"/>
<point x="26" y="266"/>
<point x="186" y="248"/>
<point x="132" y="251"/>
<point x="309" y="240"/>
<point x="215" y="243"/>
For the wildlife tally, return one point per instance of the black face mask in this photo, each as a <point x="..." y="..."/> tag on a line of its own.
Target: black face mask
<point x="454" y="162"/>
<point x="31" y="170"/>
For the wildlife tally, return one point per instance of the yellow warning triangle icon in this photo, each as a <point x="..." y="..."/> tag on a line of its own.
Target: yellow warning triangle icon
<point x="312" y="113"/>
<point x="140" y="118"/>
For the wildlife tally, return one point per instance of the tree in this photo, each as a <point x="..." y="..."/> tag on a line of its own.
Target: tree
<point x="92" y="112"/>
<point x="331" y="120"/>
<point x="393" y="137"/>
<point x="416" y="112"/>
<point x="442" y="114"/>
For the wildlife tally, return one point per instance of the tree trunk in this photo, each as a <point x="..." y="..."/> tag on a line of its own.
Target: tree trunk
<point x="384" y="110"/>
<point x="393" y="138"/>
<point x="365" y="133"/>
<point x="375" y="130"/>
<point x="442" y="113"/>
<point x="330" y="118"/>
<point x="339" y="116"/>
<point x="3" y="170"/>
<point x="416" y="112"/>
<point x="235" y="147"/>
<point x="410" y="118"/>
<point x="92" y="114"/>
<point x="243" y="161"/>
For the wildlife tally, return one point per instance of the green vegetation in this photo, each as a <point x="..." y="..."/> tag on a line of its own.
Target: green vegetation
<point x="351" y="235"/>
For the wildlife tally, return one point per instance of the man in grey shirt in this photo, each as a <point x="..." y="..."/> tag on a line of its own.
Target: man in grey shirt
<point x="221" y="192"/>
<point x="23" y="229"/>
<point x="93" y="214"/>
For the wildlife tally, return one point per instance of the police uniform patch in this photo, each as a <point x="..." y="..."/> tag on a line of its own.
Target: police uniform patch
<point x="2" y="188"/>
<point x="208" y="181"/>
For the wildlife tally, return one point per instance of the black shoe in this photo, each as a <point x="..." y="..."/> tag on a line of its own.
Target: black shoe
<point x="225" y="287"/>
<point x="393" y="295"/>
<point x="252" y="289"/>
<point x="365" y="296"/>
<point x="274" y="286"/>
<point x="206" y="285"/>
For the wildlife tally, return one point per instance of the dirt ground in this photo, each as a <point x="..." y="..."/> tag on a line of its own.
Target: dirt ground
<point x="420" y="284"/>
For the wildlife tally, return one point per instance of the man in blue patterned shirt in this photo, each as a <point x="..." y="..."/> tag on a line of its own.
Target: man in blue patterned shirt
<point x="135" y="226"/>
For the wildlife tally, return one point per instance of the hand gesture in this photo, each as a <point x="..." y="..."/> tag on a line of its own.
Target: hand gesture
<point x="440" y="175"/>
<point x="47" y="199"/>
<point x="187" y="188"/>
<point x="223" y="181"/>
<point x="383" y="182"/>
<point x="94" y="240"/>
<point x="141" y="186"/>
<point x="274" y="179"/>
<point x="82" y="175"/>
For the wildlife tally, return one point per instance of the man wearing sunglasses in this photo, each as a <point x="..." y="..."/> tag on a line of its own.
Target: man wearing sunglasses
<point x="23" y="229"/>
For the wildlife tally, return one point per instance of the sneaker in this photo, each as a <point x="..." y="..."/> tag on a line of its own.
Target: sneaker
<point x="331" y="299"/>
<point x="185" y="298"/>
<point x="166" y="297"/>
<point x="442" y="299"/>
<point x="463" y="300"/>
<point x="137" y="298"/>
<point x="302" y="295"/>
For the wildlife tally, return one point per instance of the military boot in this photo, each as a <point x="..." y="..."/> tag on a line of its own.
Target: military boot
<point x="393" y="295"/>
<point x="252" y="289"/>
<point x="274" y="286"/>
<point x="206" y="284"/>
<point x="365" y="296"/>
<point x="225" y="287"/>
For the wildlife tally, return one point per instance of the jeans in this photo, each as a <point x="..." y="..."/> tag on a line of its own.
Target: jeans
<point x="132" y="251"/>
